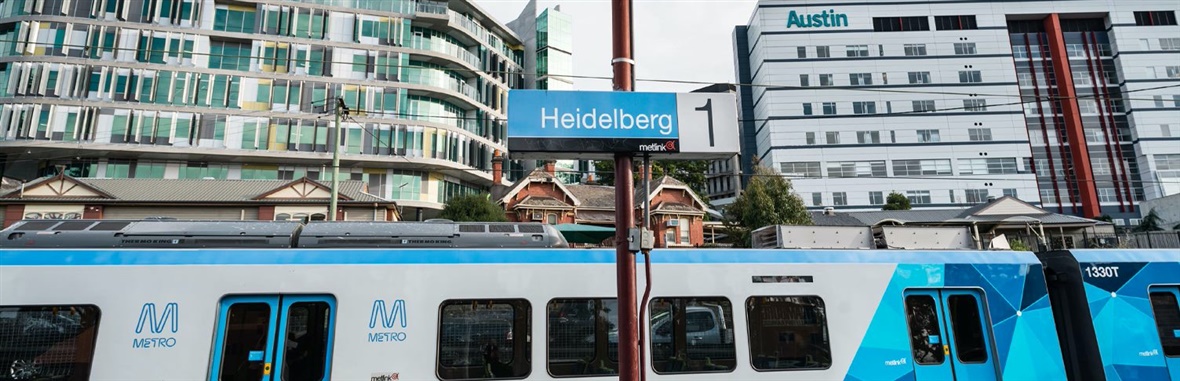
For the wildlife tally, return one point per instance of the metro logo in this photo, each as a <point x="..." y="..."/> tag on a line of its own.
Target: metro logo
<point x="390" y="317"/>
<point x="156" y="323"/>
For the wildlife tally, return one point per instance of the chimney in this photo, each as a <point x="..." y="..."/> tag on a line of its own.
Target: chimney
<point x="497" y="168"/>
<point x="590" y="179"/>
<point x="643" y="173"/>
<point x="551" y="167"/>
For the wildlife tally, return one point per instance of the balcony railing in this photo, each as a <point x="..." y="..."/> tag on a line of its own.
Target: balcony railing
<point x="438" y="78"/>
<point x="445" y="47"/>
<point x="432" y="7"/>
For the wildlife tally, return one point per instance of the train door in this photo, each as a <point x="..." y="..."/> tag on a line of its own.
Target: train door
<point x="1167" y="320"/>
<point x="273" y="338"/>
<point x="949" y="335"/>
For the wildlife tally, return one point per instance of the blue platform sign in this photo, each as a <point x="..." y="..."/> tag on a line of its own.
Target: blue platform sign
<point x="570" y="124"/>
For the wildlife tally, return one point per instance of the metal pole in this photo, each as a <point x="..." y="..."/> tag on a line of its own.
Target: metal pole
<point x="335" y="166"/>
<point x="624" y="204"/>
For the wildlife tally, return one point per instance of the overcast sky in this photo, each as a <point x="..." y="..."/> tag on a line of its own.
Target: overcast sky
<point x="680" y="40"/>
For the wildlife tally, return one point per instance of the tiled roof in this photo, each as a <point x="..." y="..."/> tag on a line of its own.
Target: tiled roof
<point x="194" y="190"/>
<point x="543" y="201"/>
<point x="594" y="196"/>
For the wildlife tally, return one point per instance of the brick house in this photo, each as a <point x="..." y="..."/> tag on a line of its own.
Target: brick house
<point x="677" y="213"/>
<point x="65" y="197"/>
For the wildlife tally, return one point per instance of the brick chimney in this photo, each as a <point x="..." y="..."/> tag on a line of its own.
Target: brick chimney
<point x="551" y="168"/>
<point x="497" y="168"/>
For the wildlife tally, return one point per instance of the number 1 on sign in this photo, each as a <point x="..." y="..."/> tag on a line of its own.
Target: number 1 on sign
<point x="708" y="108"/>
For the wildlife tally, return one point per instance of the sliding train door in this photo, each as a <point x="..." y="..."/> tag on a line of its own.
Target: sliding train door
<point x="949" y="335"/>
<point x="273" y="338"/>
<point x="1166" y="309"/>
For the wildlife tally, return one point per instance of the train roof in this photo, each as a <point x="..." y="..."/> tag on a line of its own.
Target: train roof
<point x="118" y="257"/>
<point x="1121" y="256"/>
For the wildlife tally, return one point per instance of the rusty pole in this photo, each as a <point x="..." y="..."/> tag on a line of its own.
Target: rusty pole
<point x="623" y="65"/>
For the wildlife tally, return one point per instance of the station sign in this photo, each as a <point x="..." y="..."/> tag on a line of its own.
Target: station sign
<point x="598" y="124"/>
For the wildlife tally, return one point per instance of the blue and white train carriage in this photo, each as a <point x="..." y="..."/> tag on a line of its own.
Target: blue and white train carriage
<point x="543" y="314"/>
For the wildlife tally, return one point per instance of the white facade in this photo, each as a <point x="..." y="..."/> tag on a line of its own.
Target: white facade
<point x="882" y="135"/>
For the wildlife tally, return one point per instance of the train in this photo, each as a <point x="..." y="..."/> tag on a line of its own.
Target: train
<point x="546" y="313"/>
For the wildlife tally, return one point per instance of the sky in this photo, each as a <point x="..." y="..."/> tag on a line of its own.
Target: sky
<point x="674" y="39"/>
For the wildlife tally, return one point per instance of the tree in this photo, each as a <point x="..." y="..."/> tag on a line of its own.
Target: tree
<point x="767" y="200"/>
<point x="473" y="208"/>
<point x="1150" y="222"/>
<point x="691" y="173"/>
<point x="896" y="201"/>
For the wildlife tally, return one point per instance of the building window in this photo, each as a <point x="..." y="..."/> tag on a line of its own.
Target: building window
<point x="923" y="106"/>
<point x="678" y="329"/>
<point x="1009" y="192"/>
<point x="861" y="108"/>
<point x="829" y="108"/>
<point x="976" y="196"/>
<point x="900" y="24"/>
<point x="858" y="50"/>
<point x="919" y="77"/>
<point x="1107" y="195"/>
<point x="801" y="52"/>
<point x="868" y="137"/>
<point x="923" y="167"/>
<point x="918" y="197"/>
<point x="966" y="48"/>
<point x="955" y="22"/>
<point x="1159" y="100"/>
<point x="1166" y="130"/>
<point x="807" y="109"/>
<point x="860" y="79"/>
<point x="1170" y="43"/>
<point x="975" y="105"/>
<point x="551" y="218"/>
<point x="823" y="51"/>
<point x="928" y="136"/>
<point x="801" y="169"/>
<point x="996" y="166"/>
<point x="844" y="169"/>
<point x="810" y="138"/>
<point x="61" y="338"/>
<point x="979" y="134"/>
<point x="1100" y="167"/>
<point x="1151" y="18"/>
<point x="238" y="19"/>
<point x="684" y="227"/>
<point x="876" y="198"/>
<point x="826" y="80"/>
<point x="833" y="137"/>
<point x="839" y="198"/>
<point x="477" y="337"/>
<point x="970" y="76"/>
<point x="817" y="199"/>
<point x="804" y="80"/>
<point x="915" y="49"/>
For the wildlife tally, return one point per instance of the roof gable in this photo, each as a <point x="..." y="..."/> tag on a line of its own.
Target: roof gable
<point x="667" y="182"/>
<point x="303" y="188"/>
<point x="538" y="176"/>
<point x="59" y="186"/>
<point x="1005" y="206"/>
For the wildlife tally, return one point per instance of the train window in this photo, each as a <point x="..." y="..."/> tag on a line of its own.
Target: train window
<point x="306" y="352"/>
<point x="48" y="342"/>
<point x="691" y="335"/>
<point x="583" y="338"/>
<point x="247" y="328"/>
<point x="1167" y="320"/>
<point x="970" y="339"/>
<point x="484" y="339"/>
<point x="788" y="332"/>
<point x="925" y="336"/>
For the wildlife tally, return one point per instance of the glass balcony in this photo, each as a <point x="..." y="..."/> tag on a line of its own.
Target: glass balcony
<point x="445" y="47"/>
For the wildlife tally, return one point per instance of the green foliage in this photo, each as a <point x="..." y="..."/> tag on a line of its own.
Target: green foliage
<point x="691" y="173"/>
<point x="1150" y="222"/>
<point x="473" y="208"/>
<point x="896" y="201"/>
<point x="767" y="200"/>
<point x="1018" y="245"/>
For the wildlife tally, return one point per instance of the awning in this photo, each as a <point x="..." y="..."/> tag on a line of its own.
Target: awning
<point x="577" y="233"/>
